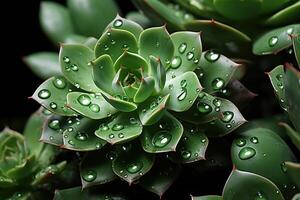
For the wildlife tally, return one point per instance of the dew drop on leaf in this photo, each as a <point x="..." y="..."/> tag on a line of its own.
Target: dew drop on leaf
<point x="240" y="142"/>
<point x="185" y="154"/>
<point x="118" y="23"/>
<point x="66" y="60"/>
<point x="190" y="55"/>
<point x="217" y="84"/>
<point x="273" y="41"/>
<point x="117" y="127"/>
<point x="134" y="167"/>
<point x="121" y="135"/>
<point x="283" y="167"/>
<point x="183" y="83"/>
<point x="53" y="105"/>
<point x="246" y="153"/>
<point x="182" y="47"/>
<point x="254" y="140"/>
<point x="211" y="56"/>
<point x="204" y="108"/>
<point x="227" y="116"/>
<point x="84" y="100"/>
<point x="54" y="124"/>
<point x="103" y="127"/>
<point x="81" y="136"/>
<point x="176" y="62"/>
<point x="89" y="175"/>
<point x="59" y="83"/>
<point x="95" y="108"/>
<point x="161" y="139"/>
<point x="182" y="94"/>
<point x="44" y="94"/>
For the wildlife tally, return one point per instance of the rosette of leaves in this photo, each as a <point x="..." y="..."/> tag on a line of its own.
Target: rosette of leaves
<point x="26" y="167"/>
<point x="79" y="21"/>
<point x="154" y="97"/>
<point x="239" y="21"/>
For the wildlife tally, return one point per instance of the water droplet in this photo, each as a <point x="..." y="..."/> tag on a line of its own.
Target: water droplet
<point x="153" y="105"/>
<point x="95" y="108"/>
<point x="283" y="167"/>
<point x="176" y="62"/>
<point x="161" y="139"/>
<point x="111" y="136"/>
<point x="170" y="86"/>
<point x="125" y="46"/>
<point x="113" y="42"/>
<point x="183" y="83"/>
<point x="228" y="126"/>
<point x="74" y="67"/>
<point x="204" y="108"/>
<point x="280" y="86"/>
<point x="201" y="95"/>
<point x="203" y="140"/>
<point x="246" y="153"/>
<point x="240" y="142"/>
<point x="81" y="136"/>
<point x="121" y="135"/>
<point x="227" y="116"/>
<point x="118" y="23"/>
<point x="273" y="41"/>
<point x="217" y="102"/>
<point x="89" y="175"/>
<point x="254" y="140"/>
<point x="84" y="100"/>
<point x="44" y="94"/>
<point x="218" y="83"/>
<point x="54" y="124"/>
<point x="111" y="155"/>
<point x="182" y="47"/>
<point x="106" y="48"/>
<point x="196" y="61"/>
<point x="98" y="145"/>
<point x="185" y="154"/>
<point x="190" y="55"/>
<point x="66" y="60"/>
<point x="211" y="56"/>
<point x="117" y="127"/>
<point x="134" y="167"/>
<point x="51" y="138"/>
<point x="70" y="142"/>
<point x="70" y="129"/>
<point x="103" y="127"/>
<point x="59" y="83"/>
<point x="182" y="94"/>
<point x="53" y="105"/>
<point x="133" y="120"/>
<point x="290" y="30"/>
<point x="260" y="196"/>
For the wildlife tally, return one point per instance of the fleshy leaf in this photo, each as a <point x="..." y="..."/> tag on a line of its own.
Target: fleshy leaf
<point x="55" y="21"/>
<point x="152" y="110"/>
<point x="293" y="170"/>
<point x="125" y="24"/>
<point x="96" y="171"/>
<point x="93" y="106"/>
<point x="131" y="61"/>
<point x="162" y="136"/>
<point x="145" y="90"/>
<point x="79" y="136"/>
<point x="183" y="91"/>
<point x="296" y="197"/>
<point x="90" y="42"/>
<point x="165" y="174"/>
<point x="75" y="61"/>
<point x="158" y="72"/>
<point x="296" y="44"/>
<point x="209" y="197"/>
<point x="156" y="42"/>
<point x="248" y="185"/>
<point x="277" y="77"/>
<point x="86" y="15"/>
<point x="114" y="42"/>
<point x="52" y="94"/>
<point x="75" y="39"/>
<point x="230" y="119"/>
<point x="294" y="135"/>
<point x="252" y="147"/>
<point x="43" y="64"/>
<point x="103" y="72"/>
<point x="192" y="146"/>
<point x="139" y="18"/>
<point x="188" y="50"/>
<point x="215" y="71"/>
<point x="124" y="127"/>
<point x="120" y="103"/>
<point x="132" y="163"/>
<point x="275" y="40"/>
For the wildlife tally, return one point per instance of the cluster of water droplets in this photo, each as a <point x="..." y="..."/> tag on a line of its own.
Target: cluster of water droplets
<point x="85" y="100"/>
<point x="69" y="65"/>
<point x="246" y="152"/>
<point x="273" y="40"/>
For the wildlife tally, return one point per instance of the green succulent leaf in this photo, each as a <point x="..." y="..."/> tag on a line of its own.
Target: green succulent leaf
<point x="131" y="62"/>
<point x="75" y="61"/>
<point x="75" y="39"/>
<point x="248" y="186"/>
<point x="296" y="44"/>
<point x="79" y="135"/>
<point x="188" y="50"/>
<point x="192" y="146"/>
<point x="209" y="197"/>
<point x="93" y="106"/>
<point x="114" y="42"/>
<point x="165" y="174"/>
<point x="103" y="72"/>
<point x="275" y="40"/>
<point x="162" y="136"/>
<point x="183" y="91"/>
<point x="158" y="72"/>
<point x="90" y="42"/>
<point x="277" y="77"/>
<point x="293" y="170"/>
<point x="132" y="163"/>
<point x="96" y="171"/>
<point x="139" y="18"/>
<point x="215" y="71"/>
<point x="55" y="21"/>
<point x="6" y="182"/>
<point x="52" y="94"/>
<point x="47" y="173"/>
<point x="256" y="150"/>
<point x="85" y="15"/>
<point x="294" y="135"/>
<point x="145" y="90"/>
<point x="292" y="95"/>
<point x="119" y="102"/>
<point x="284" y="16"/>
<point x="152" y="110"/>
<point x="43" y="64"/>
<point x="156" y="42"/>
<point x="125" y="24"/>
<point x="122" y="128"/>
<point x="296" y="197"/>
<point x="230" y="119"/>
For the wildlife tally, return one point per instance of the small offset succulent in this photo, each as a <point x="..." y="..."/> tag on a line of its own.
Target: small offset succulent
<point x="154" y="97"/>
<point x="240" y="22"/>
<point x="26" y="167"/>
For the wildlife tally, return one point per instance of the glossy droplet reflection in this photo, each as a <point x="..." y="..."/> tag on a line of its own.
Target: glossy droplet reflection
<point x="240" y="142"/>
<point x="176" y="62"/>
<point x="161" y="139"/>
<point x="89" y="175"/>
<point x="182" y="95"/>
<point x="44" y="94"/>
<point x="66" y="60"/>
<point x="54" y="124"/>
<point x="59" y="83"/>
<point x="211" y="56"/>
<point x="118" y="23"/>
<point x="185" y="154"/>
<point x="227" y="116"/>
<point x="246" y="153"/>
<point x="218" y="84"/>
<point x="204" y="108"/>
<point x="273" y="41"/>
<point x="94" y="107"/>
<point x="134" y="167"/>
<point x="182" y="47"/>
<point x="117" y="127"/>
<point x="254" y="140"/>
<point x="84" y="100"/>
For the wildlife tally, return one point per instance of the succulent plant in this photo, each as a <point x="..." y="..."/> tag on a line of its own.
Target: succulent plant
<point x="27" y="166"/>
<point x="155" y="97"/>
<point x="239" y="21"/>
